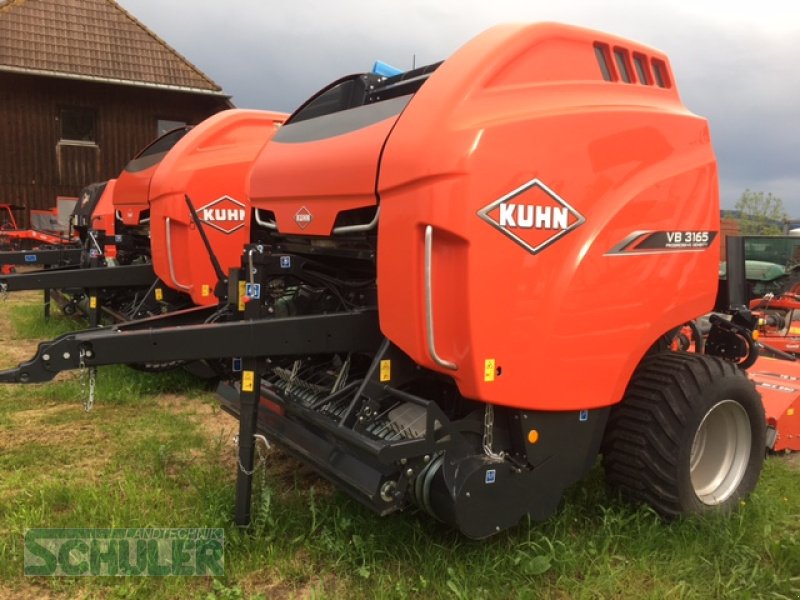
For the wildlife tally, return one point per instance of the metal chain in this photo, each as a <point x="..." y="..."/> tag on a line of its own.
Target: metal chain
<point x="262" y="458"/>
<point x="87" y="377"/>
<point x="488" y="434"/>
<point x="92" y="388"/>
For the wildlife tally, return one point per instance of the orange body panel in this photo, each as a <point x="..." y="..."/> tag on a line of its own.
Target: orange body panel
<point x="343" y="177"/>
<point x="104" y="217"/>
<point x="778" y="381"/>
<point x="209" y="164"/>
<point x="627" y="157"/>
<point x="543" y="182"/>
<point x="131" y="194"/>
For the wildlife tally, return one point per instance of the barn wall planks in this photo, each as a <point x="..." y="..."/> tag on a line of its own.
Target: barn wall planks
<point x="36" y="165"/>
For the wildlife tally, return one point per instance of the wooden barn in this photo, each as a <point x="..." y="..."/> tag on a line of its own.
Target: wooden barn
<point x="83" y="86"/>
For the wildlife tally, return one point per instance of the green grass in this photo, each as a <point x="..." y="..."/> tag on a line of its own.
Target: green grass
<point x="28" y="322"/>
<point x="140" y="461"/>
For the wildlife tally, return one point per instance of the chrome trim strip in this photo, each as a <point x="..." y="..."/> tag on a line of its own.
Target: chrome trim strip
<point x="621" y="249"/>
<point x="628" y="241"/>
<point x="118" y="215"/>
<point x="429" y="303"/>
<point x="168" y="225"/>
<point x="267" y="224"/>
<point x="357" y="228"/>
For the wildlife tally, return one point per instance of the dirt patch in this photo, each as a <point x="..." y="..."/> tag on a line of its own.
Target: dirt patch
<point x="27" y="428"/>
<point x="29" y="593"/>
<point x="792" y="459"/>
<point x="220" y="427"/>
<point x="217" y="425"/>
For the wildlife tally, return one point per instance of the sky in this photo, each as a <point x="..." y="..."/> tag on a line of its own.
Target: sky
<point x="736" y="63"/>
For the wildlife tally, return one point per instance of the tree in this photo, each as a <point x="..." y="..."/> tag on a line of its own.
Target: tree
<point x="760" y="213"/>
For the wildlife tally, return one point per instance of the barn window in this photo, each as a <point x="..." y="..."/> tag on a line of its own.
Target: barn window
<point x="78" y="124"/>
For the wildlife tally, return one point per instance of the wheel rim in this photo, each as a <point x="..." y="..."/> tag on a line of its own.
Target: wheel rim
<point x="720" y="452"/>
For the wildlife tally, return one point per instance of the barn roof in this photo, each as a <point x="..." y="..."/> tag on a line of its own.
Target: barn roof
<point x="92" y="39"/>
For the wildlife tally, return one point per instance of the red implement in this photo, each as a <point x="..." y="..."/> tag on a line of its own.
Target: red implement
<point x="779" y="384"/>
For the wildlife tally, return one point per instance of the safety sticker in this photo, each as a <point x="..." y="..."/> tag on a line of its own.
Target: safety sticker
<point x="117" y="238"/>
<point x="386" y="370"/>
<point x="488" y="369"/>
<point x="583" y="415"/>
<point x="241" y="296"/>
<point x="253" y="290"/>
<point x="205" y="290"/>
<point x="30" y="258"/>
<point x="236" y="365"/>
<point x="286" y="262"/>
<point x="159" y="294"/>
<point x="491" y="476"/>
<point x="654" y="242"/>
<point x="248" y="381"/>
<point x="92" y="302"/>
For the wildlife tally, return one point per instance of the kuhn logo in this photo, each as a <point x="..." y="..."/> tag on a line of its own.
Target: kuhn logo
<point x="224" y="214"/>
<point x="303" y="218"/>
<point x="532" y="215"/>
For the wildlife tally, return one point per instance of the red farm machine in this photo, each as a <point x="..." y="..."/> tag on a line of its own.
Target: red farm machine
<point x="186" y="177"/>
<point x="49" y="236"/>
<point x="773" y="285"/>
<point x="409" y="311"/>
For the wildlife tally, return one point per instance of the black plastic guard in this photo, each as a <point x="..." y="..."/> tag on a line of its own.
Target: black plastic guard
<point x="486" y="496"/>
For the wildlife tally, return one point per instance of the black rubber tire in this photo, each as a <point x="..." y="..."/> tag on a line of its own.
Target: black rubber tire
<point x="647" y="448"/>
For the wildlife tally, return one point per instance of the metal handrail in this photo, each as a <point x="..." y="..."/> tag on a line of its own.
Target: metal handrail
<point x="429" y="304"/>
<point x="170" y="259"/>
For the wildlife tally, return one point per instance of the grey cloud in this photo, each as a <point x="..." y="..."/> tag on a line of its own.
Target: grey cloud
<point x="734" y="62"/>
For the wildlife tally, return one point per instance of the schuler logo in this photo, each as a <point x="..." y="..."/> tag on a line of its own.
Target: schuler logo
<point x="532" y="215"/>
<point x="224" y="214"/>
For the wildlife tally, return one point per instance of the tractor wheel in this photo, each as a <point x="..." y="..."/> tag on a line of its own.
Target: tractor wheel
<point x="688" y="437"/>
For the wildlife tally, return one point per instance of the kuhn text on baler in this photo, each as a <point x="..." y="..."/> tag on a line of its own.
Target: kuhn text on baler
<point x="410" y="315"/>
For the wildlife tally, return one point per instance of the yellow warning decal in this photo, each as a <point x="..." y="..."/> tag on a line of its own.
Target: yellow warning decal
<point x="488" y="369"/>
<point x="242" y="290"/>
<point x="386" y="370"/>
<point x="248" y="380"/>
<point x="92" y="301"/>
<point x="794" y="330"/>
<point x="205" y="290"/>
<point x="159" y="294"/>
<point x="790" y="412"/>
